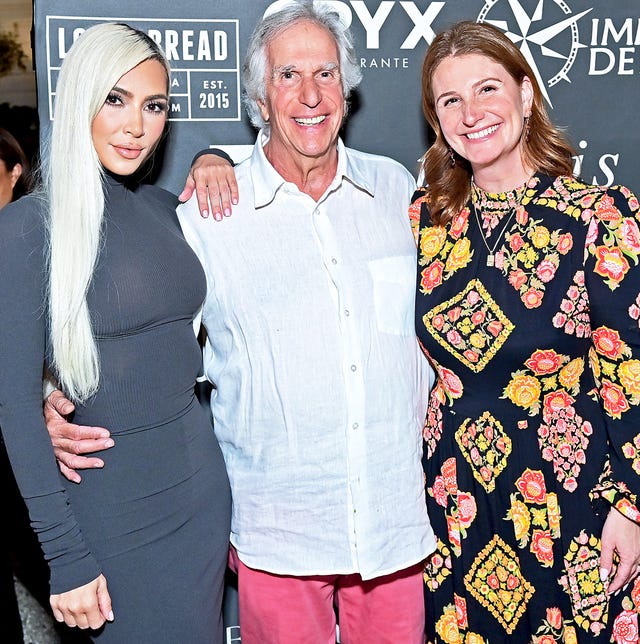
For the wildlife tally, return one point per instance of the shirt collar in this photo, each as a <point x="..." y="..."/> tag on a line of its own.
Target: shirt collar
<point x="267" y="182"/>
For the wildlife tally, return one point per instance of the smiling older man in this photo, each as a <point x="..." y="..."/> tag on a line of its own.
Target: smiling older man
<point x="320" y="388"/>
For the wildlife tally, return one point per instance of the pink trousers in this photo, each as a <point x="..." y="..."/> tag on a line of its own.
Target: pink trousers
<point x="280" y="609"/>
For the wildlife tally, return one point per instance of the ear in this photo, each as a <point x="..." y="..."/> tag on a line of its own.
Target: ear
<point x="264" y="110"/>
<point x="526" y="92"/>
<point x="16" y="173"/>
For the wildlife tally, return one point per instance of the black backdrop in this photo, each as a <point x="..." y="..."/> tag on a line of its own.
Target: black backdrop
<point x="586" y="54"/>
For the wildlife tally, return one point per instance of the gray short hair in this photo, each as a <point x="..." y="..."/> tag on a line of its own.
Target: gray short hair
<point x="254" y="69"/>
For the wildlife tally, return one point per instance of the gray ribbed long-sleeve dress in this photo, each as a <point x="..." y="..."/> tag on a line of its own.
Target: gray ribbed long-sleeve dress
<point x="155" y="520"/>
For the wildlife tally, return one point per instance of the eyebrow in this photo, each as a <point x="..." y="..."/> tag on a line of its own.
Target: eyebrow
<point x="476" y="84"/>
<point x="129" y="94"/>
<point x="328" y="66"/>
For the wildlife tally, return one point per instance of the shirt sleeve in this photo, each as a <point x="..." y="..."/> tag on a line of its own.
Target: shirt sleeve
<point x="612" y="279"/>
<point x="23" y="329"/>
<point x="217" y="151"/>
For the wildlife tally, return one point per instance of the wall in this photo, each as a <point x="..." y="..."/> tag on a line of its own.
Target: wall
<point x="587" y="55"/>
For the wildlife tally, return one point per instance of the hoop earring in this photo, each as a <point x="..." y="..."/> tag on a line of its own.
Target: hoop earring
<point x="452" y="158"/>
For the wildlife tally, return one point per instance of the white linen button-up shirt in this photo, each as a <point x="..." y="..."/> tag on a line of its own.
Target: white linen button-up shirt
<point x="320" y="387"/>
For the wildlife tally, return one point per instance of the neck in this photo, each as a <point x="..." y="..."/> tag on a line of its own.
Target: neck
<point x="312" y="175"/>
<point x="493" y="179"/>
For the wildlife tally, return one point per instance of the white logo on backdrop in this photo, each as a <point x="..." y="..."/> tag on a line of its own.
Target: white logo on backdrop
<point x="547" y="35"/>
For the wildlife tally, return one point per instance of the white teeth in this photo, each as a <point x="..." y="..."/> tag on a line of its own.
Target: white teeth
<point x="482" y="133"/>
<point x="311" y="121"/>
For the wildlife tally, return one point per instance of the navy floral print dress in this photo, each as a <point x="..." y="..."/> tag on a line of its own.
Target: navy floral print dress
<point x="533" y="430"/>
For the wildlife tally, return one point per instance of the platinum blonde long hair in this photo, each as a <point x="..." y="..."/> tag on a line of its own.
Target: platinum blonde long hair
<point x="73" y="186"/>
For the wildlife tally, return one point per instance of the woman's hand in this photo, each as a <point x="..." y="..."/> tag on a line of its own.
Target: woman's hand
<point x="214" y="181"/>
<point x="622" y="536"/>
<point x="88" y="606"/>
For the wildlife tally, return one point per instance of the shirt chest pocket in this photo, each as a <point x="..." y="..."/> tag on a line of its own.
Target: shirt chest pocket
<point x="393" y="280"/>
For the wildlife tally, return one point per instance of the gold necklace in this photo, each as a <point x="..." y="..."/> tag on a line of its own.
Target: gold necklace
<point x="491" y="257"/>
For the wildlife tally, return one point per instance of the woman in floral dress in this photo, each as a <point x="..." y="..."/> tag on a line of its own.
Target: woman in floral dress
<point x="528" y="307"/>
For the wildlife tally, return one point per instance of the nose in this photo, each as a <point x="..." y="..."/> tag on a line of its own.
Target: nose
<point x="134" y="125"/>
<point x="310" y="94"/>
<point x="472" y="112"/>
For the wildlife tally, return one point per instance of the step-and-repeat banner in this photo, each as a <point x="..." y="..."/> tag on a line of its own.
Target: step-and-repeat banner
<point x="585" y="53"/>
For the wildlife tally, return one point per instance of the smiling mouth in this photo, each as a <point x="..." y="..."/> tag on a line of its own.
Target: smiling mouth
<point x="482" y="133"/>
<point x="313" y="120"/>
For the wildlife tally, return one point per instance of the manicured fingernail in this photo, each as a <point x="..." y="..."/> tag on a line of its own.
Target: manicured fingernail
<point x="110" y="615"/>
<point x="227" y="212"/>
<point x="204" y="213"/>
<point x="109" y="443"/>
<point x="604" y="573"/>
<point x="234" y="201"/>
<point x="217" y="216"/>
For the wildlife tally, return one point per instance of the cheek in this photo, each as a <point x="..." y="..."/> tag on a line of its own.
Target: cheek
<point x="155" y="128"/>
<point x="100" y="129"/>
<point x="448" y="123"/>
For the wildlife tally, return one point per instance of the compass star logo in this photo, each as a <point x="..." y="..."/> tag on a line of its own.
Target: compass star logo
<point x="546" y="31"/>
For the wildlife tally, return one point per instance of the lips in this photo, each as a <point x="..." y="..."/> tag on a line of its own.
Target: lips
<point x="481" y="134"/>
<point x="128" y="152"/>
<point x="312" y="120"/>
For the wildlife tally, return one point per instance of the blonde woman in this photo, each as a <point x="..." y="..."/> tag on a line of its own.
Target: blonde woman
<point x="99" y="285"/>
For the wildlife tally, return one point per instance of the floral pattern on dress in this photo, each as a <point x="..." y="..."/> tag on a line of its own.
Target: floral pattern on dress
<point x="485" y="446"/>
<point x="555" y="629"/>
<point x="616" y="494"/>
<point x="531" y="256"/>
<point x="460" y="506"/>
<point x="448" y="387"/>
<point x="581" y="582"/>
<point x="573" y="316"/>
<point x="625" y="625"/>
<point x="470" y="326"/>
<point x="443" y="251"/>
<point x="452" y="626"/>
<point x="437" y="566"/>
<point x="632" y="451"/>
<point x="617" y="374"/>
<point x="497" y="583"/>
<point x="558" y="400"/>
<point x="548" y="384"/>
<point x="535" y="515"/>
<point x="634" y="310"/>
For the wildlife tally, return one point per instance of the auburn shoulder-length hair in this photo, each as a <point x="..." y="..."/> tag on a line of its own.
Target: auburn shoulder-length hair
<point x="546" y="149"/>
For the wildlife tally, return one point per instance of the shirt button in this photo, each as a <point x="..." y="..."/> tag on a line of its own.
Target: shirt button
<point x="355" y="425"/>
<point x="347" y="313"/>
<point x="334" y="260"/>
<point x="353" y="367"/>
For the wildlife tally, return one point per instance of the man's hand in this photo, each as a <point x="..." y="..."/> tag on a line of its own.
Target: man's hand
<point x="70" y="441"/>
<point x="620" y="535"/>
<point x="214" y="181"/>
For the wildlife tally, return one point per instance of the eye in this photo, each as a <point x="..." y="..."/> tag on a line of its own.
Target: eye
<point x="487" y="89"/>
<point x="328" y="76"/>
<point x="451" y="100"/>
<point x="158" y="107"/>
<point x="113" y="99"/>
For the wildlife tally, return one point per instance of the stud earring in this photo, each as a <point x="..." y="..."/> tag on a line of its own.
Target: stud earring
<point x="452" y="158"/>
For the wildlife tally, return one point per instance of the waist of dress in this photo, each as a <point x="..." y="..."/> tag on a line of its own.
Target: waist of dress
<point x="120" y="417"/>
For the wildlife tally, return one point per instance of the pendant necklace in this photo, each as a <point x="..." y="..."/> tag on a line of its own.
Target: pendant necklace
<point x="491" y="250"/>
